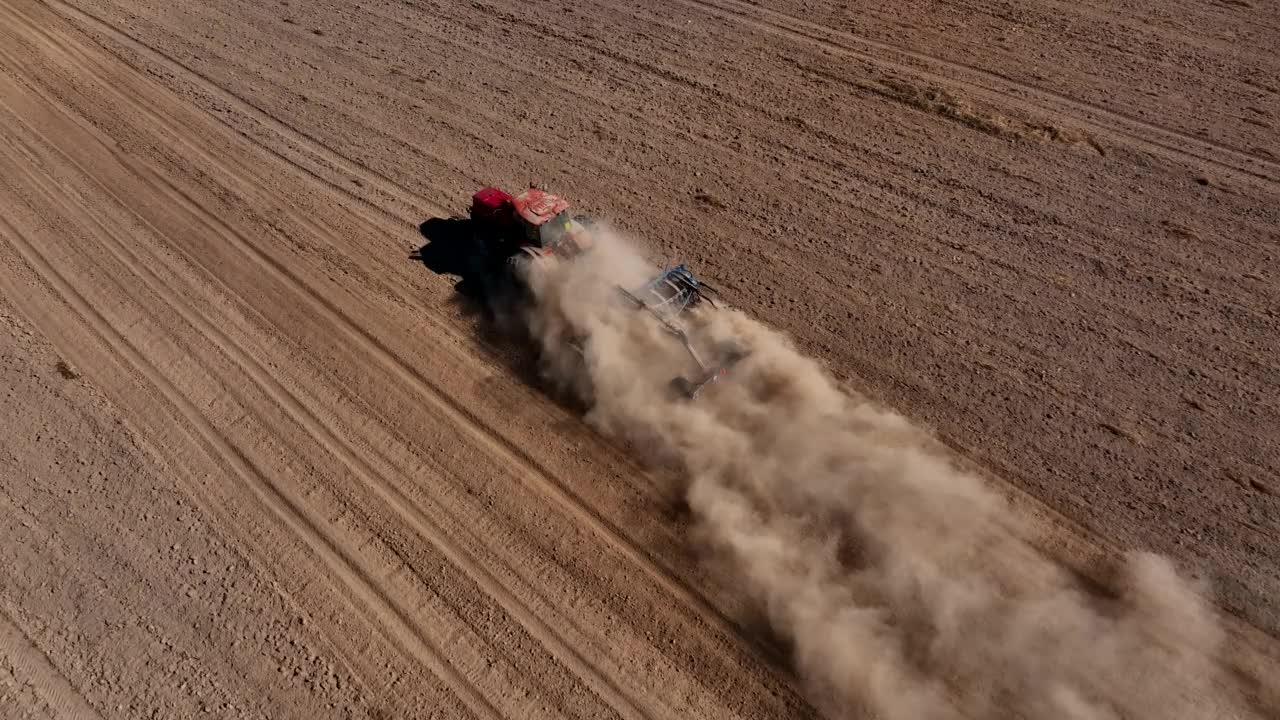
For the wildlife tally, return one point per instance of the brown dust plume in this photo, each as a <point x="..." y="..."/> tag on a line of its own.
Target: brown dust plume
<point x="899" y="582"/>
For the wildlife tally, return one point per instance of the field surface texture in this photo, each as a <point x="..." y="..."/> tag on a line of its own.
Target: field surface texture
<point x="260" y="460"/>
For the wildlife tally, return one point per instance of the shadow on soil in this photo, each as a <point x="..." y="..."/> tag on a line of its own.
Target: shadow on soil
<point x="450" y="250"/>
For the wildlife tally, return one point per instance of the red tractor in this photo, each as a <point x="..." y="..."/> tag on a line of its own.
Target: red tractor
<point x="536" y="227"/>
<point x="530" y="227"/>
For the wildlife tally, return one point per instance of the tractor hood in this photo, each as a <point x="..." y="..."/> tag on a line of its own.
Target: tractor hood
<point x="536" y="207"/>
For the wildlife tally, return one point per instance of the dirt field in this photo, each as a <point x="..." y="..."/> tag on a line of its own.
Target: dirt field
<point x="259" y="462"/>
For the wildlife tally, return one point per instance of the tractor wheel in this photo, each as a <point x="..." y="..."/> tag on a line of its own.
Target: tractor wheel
<point x="682" y="388"/>
<point x="515" y="275"/>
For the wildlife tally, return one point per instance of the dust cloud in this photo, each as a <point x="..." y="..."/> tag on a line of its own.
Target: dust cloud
<point x="900" y="583"/>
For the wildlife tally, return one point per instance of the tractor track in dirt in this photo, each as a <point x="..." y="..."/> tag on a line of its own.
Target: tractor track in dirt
<point x="317" y="538"/>
<point x="248" y="472"/>
<point x="384" y="183"/>
<point x="453" y="413"/>
<point x="358" y="579"/>
<point x="979" y="82"/>
<point x="206" y="213"/>
<point x="32" y="685"/>
<point x="457" y="415"/>
<point x="416" y="518"/>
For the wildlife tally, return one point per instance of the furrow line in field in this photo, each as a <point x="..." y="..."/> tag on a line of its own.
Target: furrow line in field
<point x="415" y="517"/>
<point x="243" y="179"/>
<point x="530" y="469"/>
<point x="300" y="138"/>
<point x="29" y="666"/>
<point x="450" y="329"/>
<point x="981" y="81"/>
<point x="327" y="543"/>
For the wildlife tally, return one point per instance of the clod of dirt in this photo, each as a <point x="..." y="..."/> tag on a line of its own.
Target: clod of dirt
<point x="1121" y="432"/>
<point x="940" y="102"/>
<point x="1180" y="230"/>
<point x="65" y="370"/>
<point x="708" y="200"/>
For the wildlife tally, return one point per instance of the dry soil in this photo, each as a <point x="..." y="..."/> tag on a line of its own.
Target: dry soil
<point x="257" y="461"/>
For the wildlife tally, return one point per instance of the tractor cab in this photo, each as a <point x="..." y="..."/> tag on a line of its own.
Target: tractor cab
<point x="532" y="219"/>
<point x="534" y="209"/>
<point x="547" y="223"/>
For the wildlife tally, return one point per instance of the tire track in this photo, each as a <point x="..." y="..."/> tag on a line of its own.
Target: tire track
<point x="694" y="600"/>
<point x="450" y="329"/>
<point x="87" y="67"/>
<point x="241" y="172"/>
<point x="397" y="624"/>
<point x="116" y="248"/>
<point x="1090" y="115"/>
<point x="414" y="517"/>
<point x="196" y="262"/>
<point x="298" y="137"/>
<point x="29" y="666"/>
<point x="232" y="530"/>
<point x="210" y="498"/>
<point x="530" y="470"/>
<point x="840" y="170"/>
<point x="233" y="177"/>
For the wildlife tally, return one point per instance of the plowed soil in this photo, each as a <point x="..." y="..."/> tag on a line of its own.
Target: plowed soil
<point x="259" y="461"/>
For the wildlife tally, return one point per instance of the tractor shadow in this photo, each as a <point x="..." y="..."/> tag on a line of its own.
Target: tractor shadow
<point x="450" y="250"/>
